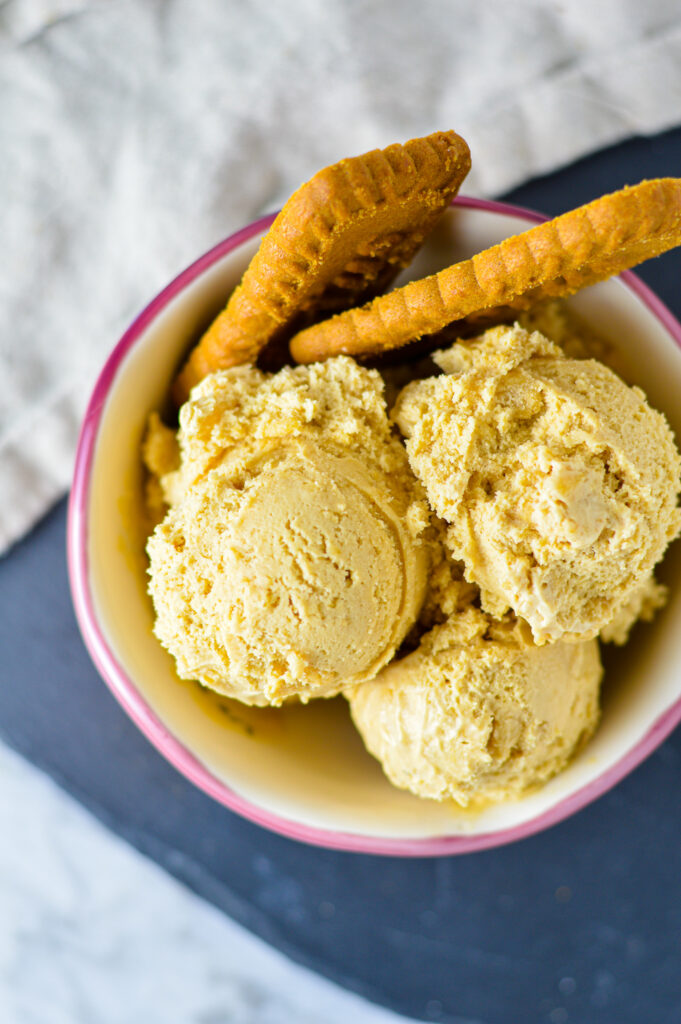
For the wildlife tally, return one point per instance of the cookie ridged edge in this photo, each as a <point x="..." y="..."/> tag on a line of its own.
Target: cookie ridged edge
<point x="356" y="223"/>
<point x="555" y="258"/>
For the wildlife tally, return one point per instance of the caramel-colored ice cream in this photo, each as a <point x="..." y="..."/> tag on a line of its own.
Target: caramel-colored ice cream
<point x="478" y="712"/>
<point x="295" y="550"/>
<point x="641" y="606"/>
<point x="558" y="481"/>
<point x="291" y="561"/>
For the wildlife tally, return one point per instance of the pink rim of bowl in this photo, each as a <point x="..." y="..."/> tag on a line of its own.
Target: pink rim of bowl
<point x="148" y="722"/>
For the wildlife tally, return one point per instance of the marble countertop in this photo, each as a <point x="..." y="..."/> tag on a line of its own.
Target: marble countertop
<point x="91" y="932"/>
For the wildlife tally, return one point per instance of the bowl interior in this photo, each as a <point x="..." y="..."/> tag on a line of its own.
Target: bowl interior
<point x="307" y="764"/>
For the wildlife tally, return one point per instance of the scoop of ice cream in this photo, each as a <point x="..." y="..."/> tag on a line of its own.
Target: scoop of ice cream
<point x="559" y="481"/>
<point x="477" y="712"/>
<point x="161" y="456"/>
<point x="242" y="411"/>
<point x="290" y="562"/>
<point x="576" y="338"/>
<point x="641" y="606"/>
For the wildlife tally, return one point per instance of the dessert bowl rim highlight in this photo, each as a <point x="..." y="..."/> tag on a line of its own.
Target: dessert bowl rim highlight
<point x="149" y="722"/>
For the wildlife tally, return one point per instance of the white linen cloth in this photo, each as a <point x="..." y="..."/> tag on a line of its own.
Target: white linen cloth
<point x="134" y="134"/>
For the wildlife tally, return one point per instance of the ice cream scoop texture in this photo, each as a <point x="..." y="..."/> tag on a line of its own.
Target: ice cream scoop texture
<point x="290" y="562"/>
<point x="558" y="481"/>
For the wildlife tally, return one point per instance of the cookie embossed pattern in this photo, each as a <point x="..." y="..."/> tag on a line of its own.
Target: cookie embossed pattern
<point x="302" y="771"/>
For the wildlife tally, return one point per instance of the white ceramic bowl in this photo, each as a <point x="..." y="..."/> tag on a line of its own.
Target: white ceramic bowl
<point x="302" y="771"/>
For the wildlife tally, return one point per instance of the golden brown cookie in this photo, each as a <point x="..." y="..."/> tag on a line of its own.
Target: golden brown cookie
<point x="340" y="239"/>
<point x="556" y="258"/>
